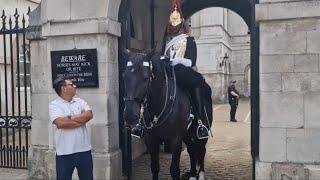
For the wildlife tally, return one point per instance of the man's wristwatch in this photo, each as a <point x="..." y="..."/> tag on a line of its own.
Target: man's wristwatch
<point x="69" y="117"/>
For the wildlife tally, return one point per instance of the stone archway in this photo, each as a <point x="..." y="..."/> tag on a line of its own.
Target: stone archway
<point x="245" y="10"/>
<point x="241" y="7"/>
<point x="289" y="90"/>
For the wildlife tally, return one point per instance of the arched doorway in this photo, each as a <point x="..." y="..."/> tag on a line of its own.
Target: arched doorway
<point x="154" y="21"/>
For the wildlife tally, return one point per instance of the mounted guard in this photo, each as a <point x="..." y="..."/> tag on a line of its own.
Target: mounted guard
<point x="181" y="52"/>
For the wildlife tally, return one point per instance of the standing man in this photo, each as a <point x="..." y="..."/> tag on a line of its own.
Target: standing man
<point x="233" y="95"/>
<point x="69" y="116"/>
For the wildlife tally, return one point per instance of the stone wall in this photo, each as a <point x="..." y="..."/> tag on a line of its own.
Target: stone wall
<point x="289" y="80"/>
<point x="289" y="89"/>
<point x="66" y="25"/>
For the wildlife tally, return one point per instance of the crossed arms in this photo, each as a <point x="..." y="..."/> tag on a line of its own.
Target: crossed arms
<point x="75" y="121"/>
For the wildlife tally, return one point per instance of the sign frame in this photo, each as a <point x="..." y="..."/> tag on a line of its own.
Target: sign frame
<point x="78" y="64"/>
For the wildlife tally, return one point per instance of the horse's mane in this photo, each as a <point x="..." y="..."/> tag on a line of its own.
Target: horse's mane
<point x="158" y="65"/>
<point x="136" y="59"/>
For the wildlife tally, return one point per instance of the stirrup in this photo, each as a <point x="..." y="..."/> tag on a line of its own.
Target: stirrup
<point x="138" y="132"/>
<point x="204" y="128"/>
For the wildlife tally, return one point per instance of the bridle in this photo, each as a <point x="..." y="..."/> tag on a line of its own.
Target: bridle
<point x="135" y="99"/>
<point x="142" y="101"/>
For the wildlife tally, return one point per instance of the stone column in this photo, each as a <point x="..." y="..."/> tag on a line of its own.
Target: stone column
<point x="240" y="45"/>
<point x="289" y="89"/>
<point x="76" y="24"/>
<point x="212" y="41"/>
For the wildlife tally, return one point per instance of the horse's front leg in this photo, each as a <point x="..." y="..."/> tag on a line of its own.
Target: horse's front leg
<point x="176" y="146"/>
<point x="153" y="148"/>
<point x="193" y="166"/>
<point x="155" y="162"/>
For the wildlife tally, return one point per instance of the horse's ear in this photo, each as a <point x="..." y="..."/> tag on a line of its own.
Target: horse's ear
<point x="126" y="53"/>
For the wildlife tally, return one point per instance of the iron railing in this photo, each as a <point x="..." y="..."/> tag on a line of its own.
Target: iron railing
<point x="15" y="108"/>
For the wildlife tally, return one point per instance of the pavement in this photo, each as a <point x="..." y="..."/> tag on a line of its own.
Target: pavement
<point x="228" y="152"/>
<point x="13" y="174"/>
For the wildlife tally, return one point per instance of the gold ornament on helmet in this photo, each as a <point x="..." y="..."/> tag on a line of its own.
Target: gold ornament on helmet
<point x="175" y="17"/>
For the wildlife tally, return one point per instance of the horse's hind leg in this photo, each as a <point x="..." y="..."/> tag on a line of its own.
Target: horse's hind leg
<point x="176" y="147"/>
<point x="201" y="161"/>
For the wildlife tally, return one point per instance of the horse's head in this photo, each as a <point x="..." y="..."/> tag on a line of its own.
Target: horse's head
<point x="137" y="77"/>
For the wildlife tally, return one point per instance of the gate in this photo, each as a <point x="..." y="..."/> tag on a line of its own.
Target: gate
<point x="15" y="108"/>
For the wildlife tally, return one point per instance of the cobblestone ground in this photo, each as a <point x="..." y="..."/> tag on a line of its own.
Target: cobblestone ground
<point x="228" y="152"/>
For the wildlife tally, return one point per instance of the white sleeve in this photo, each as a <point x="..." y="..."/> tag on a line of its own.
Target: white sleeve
<point x="55" y="112"/>
<point x="84" y="105"/>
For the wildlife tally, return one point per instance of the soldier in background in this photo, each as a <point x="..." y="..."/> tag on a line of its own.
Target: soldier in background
<point x="233" y="96"/>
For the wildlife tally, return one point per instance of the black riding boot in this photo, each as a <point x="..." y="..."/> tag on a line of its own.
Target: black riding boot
<point x="202" y="131"/>
<point x="137" y="131"/>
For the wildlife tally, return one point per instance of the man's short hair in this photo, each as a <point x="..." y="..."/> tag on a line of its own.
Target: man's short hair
<point x="58" y="83"/>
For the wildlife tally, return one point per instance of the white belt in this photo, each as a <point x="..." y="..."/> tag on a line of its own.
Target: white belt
<point x="184" y="61"/>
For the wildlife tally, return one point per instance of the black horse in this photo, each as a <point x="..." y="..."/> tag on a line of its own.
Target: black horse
<point x="146" y="90"/>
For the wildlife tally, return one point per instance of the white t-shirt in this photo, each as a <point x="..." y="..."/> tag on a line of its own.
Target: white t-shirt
<point x="69" y="141"/>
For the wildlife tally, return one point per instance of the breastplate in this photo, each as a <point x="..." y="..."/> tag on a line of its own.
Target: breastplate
<point x="178" y="49"/>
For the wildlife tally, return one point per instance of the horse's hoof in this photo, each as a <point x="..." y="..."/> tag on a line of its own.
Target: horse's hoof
<point x="201" y="175"/>
<point x="192" y="178"/>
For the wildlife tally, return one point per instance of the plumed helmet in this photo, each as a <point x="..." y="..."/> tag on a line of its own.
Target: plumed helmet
<point x="176" y="16"/>
<point x="176" y="19"/>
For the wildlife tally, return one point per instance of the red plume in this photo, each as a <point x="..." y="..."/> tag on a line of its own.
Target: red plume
<point x="176" y="4"/>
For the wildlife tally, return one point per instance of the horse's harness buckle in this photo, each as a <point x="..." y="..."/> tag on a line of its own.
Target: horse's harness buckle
<point x="155" y="119"/>
<point x="141" y="111"/>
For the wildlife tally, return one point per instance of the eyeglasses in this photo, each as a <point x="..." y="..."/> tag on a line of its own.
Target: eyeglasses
<point x="71" y="84"/>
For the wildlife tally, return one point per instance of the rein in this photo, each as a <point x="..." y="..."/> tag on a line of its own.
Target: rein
<point x="160" y="119"/>
<point x="167" y="108"/>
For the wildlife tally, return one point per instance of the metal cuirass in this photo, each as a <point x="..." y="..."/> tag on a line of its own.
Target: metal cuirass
<point x="177" y="49"/>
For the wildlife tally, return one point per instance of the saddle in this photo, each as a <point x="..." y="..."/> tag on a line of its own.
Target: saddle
<point x="171" y="91"/>
<point x="172" y="86"/>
